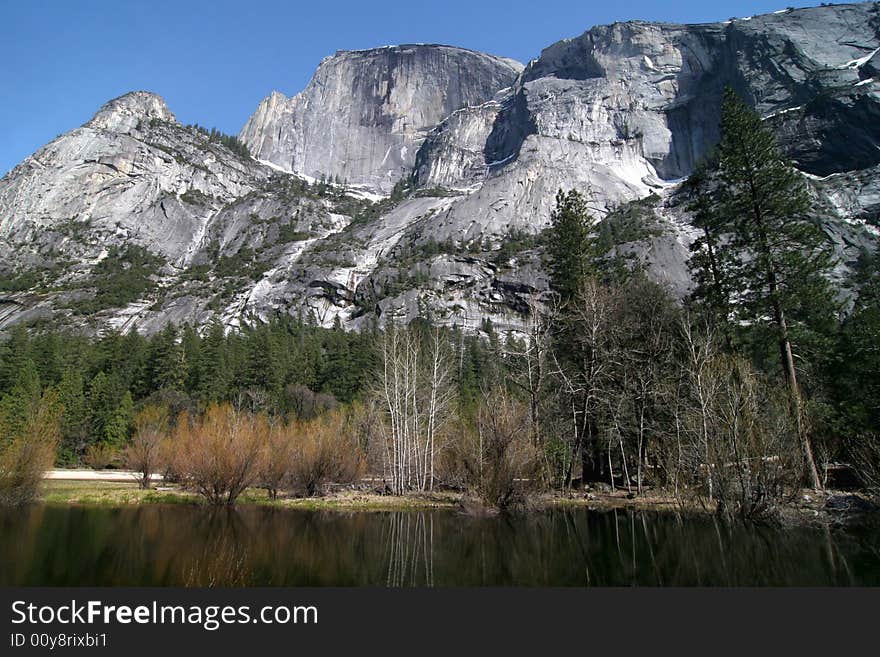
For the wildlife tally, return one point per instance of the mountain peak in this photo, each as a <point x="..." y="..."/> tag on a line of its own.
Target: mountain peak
<point x="122" y="114"/>
<point x="377" y="106"/>
<point x="423" y="50"/>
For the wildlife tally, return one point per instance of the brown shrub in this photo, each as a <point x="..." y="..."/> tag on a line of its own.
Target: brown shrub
<point x="325" y="451"/>
<point x="218" y="455"/>
<point x="279" y="452"/>
<point x="99" y="456"/>
<point x="143" y="454"/>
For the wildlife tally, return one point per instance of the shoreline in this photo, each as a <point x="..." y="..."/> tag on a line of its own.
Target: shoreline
<point x="119" y="493"/>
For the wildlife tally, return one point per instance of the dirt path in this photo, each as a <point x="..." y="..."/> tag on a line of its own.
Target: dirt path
<point x="86" y="474"/>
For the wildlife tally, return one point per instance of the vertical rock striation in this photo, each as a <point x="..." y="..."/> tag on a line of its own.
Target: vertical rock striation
<point x="365" y="113"/>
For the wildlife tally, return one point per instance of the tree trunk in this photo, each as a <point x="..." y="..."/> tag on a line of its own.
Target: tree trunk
<point x="785" y="347"/>
<point x="794" y="390"/>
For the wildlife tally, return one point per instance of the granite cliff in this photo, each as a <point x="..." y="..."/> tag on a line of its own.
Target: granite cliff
<point x="440" y="168"/>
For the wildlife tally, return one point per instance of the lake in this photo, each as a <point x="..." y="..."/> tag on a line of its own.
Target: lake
<point x="181" y="545"/>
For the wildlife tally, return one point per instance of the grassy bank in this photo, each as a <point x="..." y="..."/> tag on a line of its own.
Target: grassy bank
<point x="807" y="507"/>
<point x="112" y="494"/>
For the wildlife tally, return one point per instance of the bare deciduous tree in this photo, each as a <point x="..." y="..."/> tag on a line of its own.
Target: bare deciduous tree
<point x="740" y="446"/>
<point x="497" y="460"/>
<point x="416" y="393"/>
<point x="865" y="454"/>
<point x="143" y="454"/>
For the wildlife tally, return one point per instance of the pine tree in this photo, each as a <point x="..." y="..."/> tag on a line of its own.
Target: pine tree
<point x="710" y="260"/>
<point x="18" y="403"/>
<point x="215" y="371"/>
<point x="192" y="346"/>
<point x="168" y="360"/>
<point x="855" y="369"/>
<point x="118" y="425"/>
<point x="13" y="355"/>
<point x="570" y="246"/>
<point x="779" y="256"/>
<point x="106" y="398"/>
<point x="264" y="362"/>
<point x="75" y="419"/>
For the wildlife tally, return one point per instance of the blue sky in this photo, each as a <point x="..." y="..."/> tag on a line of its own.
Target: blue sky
<point x="214" y="61"/>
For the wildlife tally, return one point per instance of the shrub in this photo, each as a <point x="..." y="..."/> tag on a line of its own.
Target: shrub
<point x="741" y="446"/>
<point x="278" y="457"/>
<point x="28" y="450"/>
<point x="101" y="455"/>
<point x="218" y="455"/>
<point x="144" y="452"/>
<point x="496" y="460"/>
<point x="325" y="451"/>
<point x="865" y="455"/>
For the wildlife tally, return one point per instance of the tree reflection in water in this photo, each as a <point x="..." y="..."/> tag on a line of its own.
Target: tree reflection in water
<point x="410" y="549"/>
<point x="270" y="546"/>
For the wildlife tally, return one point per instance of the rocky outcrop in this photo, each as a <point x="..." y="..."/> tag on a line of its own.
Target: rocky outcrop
<point x="365" y="113"/>
<point x="131" y="173"/>
<point x="454" y="155"/>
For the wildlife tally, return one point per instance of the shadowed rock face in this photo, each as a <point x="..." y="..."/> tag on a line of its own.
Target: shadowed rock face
<point x="365" y="113"/>
<point x="624" y="111"/>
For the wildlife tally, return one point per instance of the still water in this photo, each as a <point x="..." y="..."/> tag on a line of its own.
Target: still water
<point x="194" y="546"/>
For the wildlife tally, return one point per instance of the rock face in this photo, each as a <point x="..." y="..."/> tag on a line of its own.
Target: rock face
<point x="128" y="173"/>
<point x="623" y="112"/>
<point x="133" y="176"/>
<point x="365" y="113"/>
<point x="454" y="155"/>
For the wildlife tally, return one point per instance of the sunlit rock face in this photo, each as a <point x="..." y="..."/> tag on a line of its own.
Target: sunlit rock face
<point x="126" y="174"/>
<point x="365" y="113"/>
<point x="623" y="113"/>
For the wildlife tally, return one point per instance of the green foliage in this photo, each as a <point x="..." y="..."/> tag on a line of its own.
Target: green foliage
<point x="514" y="243"/>
<point x="854" y="369"/>
<point x="762" y="260"/>
<point x="710" y="261"/>
<point x="289" y="233"/>
<point x="570" y="246"/>
<point x="168" y="360"/>
<point x="20" y="282"/>
<point x="122" y="277"/>
<point x="195" y="197"/>
<point x="629" y="223"/>
<point x="765" y="205"/>
<point x="111" y="408"/>
<point x="76" y="418"/>
<point x="402" y="189"/>
<point x="199" y="273"/>
<point x="16" y="406"/>
<point x="437" y="192"/>
<point x="242" y="264"/>
<point x="229" y="141"/>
